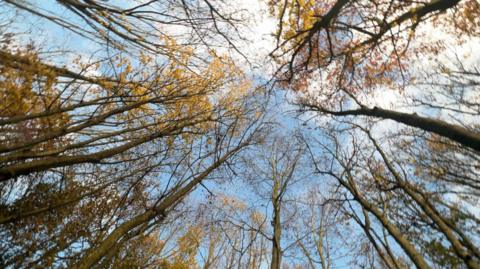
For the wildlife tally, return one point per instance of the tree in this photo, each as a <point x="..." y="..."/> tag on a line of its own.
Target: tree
<point x="397" y="198"/>
<point x="336" y="56"/>
<point x="273" y="171"/>
<point x="134" y="134"/>
<point x="318" y="227"/>
<point x="96" y="155"/>
<point x="324" y="45"/>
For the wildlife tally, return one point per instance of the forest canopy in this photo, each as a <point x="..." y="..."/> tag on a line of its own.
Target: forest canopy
<point x="249" y="134"/>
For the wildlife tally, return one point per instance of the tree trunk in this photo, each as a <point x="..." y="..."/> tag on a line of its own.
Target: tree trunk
<point x="277" y="232"/>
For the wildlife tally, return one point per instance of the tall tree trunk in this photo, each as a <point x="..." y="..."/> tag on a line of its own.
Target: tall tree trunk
<point x="277" y="232"/>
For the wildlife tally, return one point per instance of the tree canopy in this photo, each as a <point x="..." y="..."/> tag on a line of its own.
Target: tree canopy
<point x="158" y="134"/>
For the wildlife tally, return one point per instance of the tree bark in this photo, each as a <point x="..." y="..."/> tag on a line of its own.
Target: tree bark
<point x="454" y="132"/>
<point x="277" y="232"/>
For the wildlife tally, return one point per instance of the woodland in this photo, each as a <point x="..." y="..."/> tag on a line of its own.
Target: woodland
<point x="249" y="134"/>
